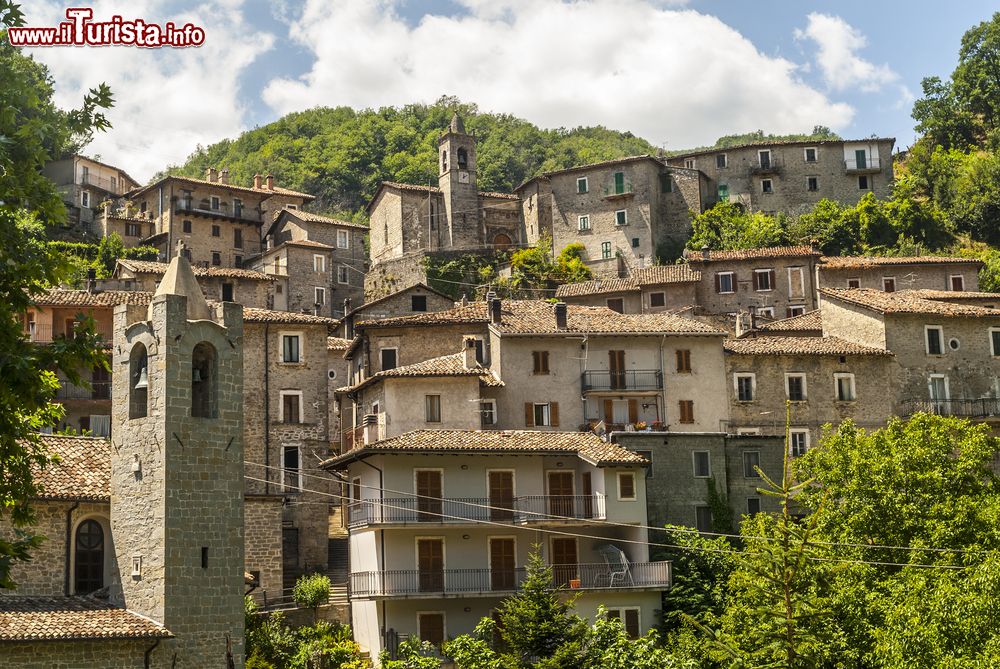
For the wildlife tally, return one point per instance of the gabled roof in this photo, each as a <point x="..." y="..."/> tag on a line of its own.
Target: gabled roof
<point x="537" y="317"/>
<point x="337" y="344"/>
<point x="646" y="276"/>
<point x="71" y="619"/>
<point x="60" y="297"/>
<point x="415" y="286"/>
<point x="159" y="268"/>
<point x="808" y="322"/>
<point x="798" y="346"/>
<point x="657" y="274"/>
<point x="598" y="287"/>
<point x="586" y="445"/>
<point x="109" y="166"/>
<point x="446" y="365"/>
<point x="307" y="216"/>
<point x="778" y="142"/>
<point x="83" y="471"/>
<point x="863" y="262"/>
<point x="215" y="184"/>
<point x="754" y="254"/>
<point x="905" y="302"/>
<point x="592" y="166"/>
<point x="252" y="315"/>
<point x="430" y="190"/>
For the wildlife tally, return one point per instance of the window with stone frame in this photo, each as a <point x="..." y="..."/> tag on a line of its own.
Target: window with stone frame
<point x="388" y="358"/>
<point x="432" y="408"/>
<point x="751" y="463"/>
<point x="582" y="185"/>
<point x="795" y="387"/>
<point x="291" y="347"/>
<point x="291" y="469"/>
<point x="746" y="387"/>
<point x="343" y="239"/>
<point x="658" y="299"/>
<point x="844" y="387"/>
<point x="291" y="406"/>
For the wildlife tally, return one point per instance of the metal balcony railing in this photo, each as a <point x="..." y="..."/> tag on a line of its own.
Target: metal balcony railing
<point x="519" y="510"/>
<point x="241" y="214"/>
<point x="115" y="185"/>
<point x="633" y="379"/>
<point x="45" y="333"/>
<point x="616" y="190"/>
<point x="767" y="166"/>
<point x="475" y="582"/>
<point x="867" y="164"/>
<point x="99" y="390"/>
<point x="968" y="408"/>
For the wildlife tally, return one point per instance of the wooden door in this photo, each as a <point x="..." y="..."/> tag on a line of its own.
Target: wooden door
<point x="430" y="564"/>
<point x="502" y="564"/>
<point x="429" y="489"/>
<point x="561" y="494"/>
<point x="587" y="492"/>
<point x="431" y="628"/>
<point x="501" y="486"/>
<point x="616" y="365"/>
<point x="564" y="560"/>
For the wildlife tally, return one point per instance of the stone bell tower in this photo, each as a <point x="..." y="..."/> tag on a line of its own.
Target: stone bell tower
<point x="457" y="180"/>
<point x="177" y="469"/>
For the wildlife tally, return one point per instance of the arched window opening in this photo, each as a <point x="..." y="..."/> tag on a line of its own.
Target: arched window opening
<point x="203" y="381"/>
<point x="463" y="159"/>
<point x="138" y="383"/>
<point x="89" y="558"/>
<point x="502" y="242"/>
<point x="444" y="161"/>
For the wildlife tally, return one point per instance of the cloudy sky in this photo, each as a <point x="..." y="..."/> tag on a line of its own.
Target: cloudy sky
<point x="678" y="72"/>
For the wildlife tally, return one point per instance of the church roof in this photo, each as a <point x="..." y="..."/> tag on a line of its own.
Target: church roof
<point x="456" y="125"/>
<point x="82" y="472"/>
<point x="71" y="619"/>
<point x="179" y="280"/>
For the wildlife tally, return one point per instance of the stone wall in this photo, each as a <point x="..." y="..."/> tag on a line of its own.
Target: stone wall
<point x="907" y="277"/>
<point x="779" y="298"/>
<point x="106" y="654"/>
<point x="263" y="540"/>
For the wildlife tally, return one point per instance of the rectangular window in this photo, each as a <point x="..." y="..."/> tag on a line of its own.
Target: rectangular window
<point x="657" y="299"/>
<point x="666" y="183"/>
<point x="216" y="231"/>
<point x="765" y="311"/>
<point x="753" y="506"/>
<point x="319" y="263"/>
<point x="621" y="217"/>
<point x="227" y="292"/>
<point x="934" y="336"/>
<point x="290" y="348"/>
<point x="291" y="407"/>
<point x="342" y="275"/>
<point x="863" y="182"/>
<point x="725" y="282"/>
<point x="320" y="295"/>
<point x="889" y="284"/>
<point x="686" y="408"/>
<point x="957" y="282"/>
<point x="764" y="158"/>
<point x="683" y="359"/>
<point x="430" y="627"/>
<point x="617" y="304"/>
<point x="605" y="250"/>
<point x="626" y="486"/>
<point x="812" y="183"/>
<point x="766" y="186"/>
<point x="722" y="161"/>
<point x="689" y="163"/>
<point x="133" y="230"/>
<point x="798" y="442"/>
<point x="291" y="469"/>
<point x="763" y="279"/>
<point x="703" y="518"/>
<point x="619" y="183"/>
<point x="746" y="385"/>
<point x="488" y="411"/>
<point x="810" y="155"/>
<point x="186" y="226"/>
<point x="583" y="223"/>
<point x="418" y="303"/>
<point x="795" y="310"/>
<point x="432" y="408"/>
<point x="702" y="464"/>
<point x="844" y="387"/>
<point x="542" y="415"/>
<point x="85" y="198"/>
<point x="995" y="341"/>
<point x="237" y="208"/>
<point x="854" y="283"/>
<point x="795" y="387"/>
<point x="751" y="463"/>
<point x="723" y="192"/>
<point x="629" y="618"/>
<point x="215" y="203"/>
<point x="216" y="258"/>
<point x="635" y="242"/>
<point x="581" y="185"/>
<point x="387" y="357"/>
<point x="540" y="362"/>
<point x="343" y="239"/>
<point x="237" y="238"/>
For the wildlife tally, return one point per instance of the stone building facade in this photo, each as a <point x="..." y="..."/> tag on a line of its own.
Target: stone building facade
<point x="791" y="177"/>
<point x="647" y="290"/>
<point x="221" y="284"/>
<point x="893" y="273"/>
<point x="84" y="184"/>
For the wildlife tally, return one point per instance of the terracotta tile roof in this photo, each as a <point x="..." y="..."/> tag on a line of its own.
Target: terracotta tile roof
<point x="647" y="276"/>
<point x="904" y="302"/>
<point x="71" y="618"/>
<point x="337" y="344"/>
<point x="536" y="317"/>
<point x="657" y="274"/>
<point x="754" y="254"/>
<point x="597" y="287"/>
<point x="83" y="471"/>
<point x="585" y="445"/>
<point x="798" y="346"/>
<point x="59" y="297"/>
<point x="797" y="142"/>
<point x="150" y="267"/>
<point x="953" y="295"/>
<point x="446" y="365"/>
<point x="492" y="195"/>
<point x="308" y="243"/>
<point x="277" y="190"/>
<point x="861" y="262"/>
<point x="319" y="218"/>
<point x="811" y="321"/>
<point x="253" y="315"/>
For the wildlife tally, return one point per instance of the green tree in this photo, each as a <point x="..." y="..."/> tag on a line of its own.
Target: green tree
<point x="830" y="224"/>
<point x="311" y="591"/>
<point x="32" y="131"/>
<point x="727" y="225"/>
<point x="570" y="266"/>
<point x="109" y="250"/>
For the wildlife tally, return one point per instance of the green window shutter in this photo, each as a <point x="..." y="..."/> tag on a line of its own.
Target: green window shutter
<point x="723" y="192"/>
<point x="619" y="183"/>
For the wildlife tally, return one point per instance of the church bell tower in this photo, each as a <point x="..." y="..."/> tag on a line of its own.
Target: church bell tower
<point x="457" y="180"/>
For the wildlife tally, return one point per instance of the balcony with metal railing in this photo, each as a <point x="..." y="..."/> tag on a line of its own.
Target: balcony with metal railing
<point x="418" y="583"/>
<point x="223" y="211"/>
<point x="523" y="510"/>
<point x="618" y="190"/>
<point x="98" y="390"/>
<point x="862" y="165"/>
<point x="46" y="333"/>
<point x="114" y="185"/>
<point x="988" y="407"/>
<point x="622" y="380"/>
<point x="770" y="165"/>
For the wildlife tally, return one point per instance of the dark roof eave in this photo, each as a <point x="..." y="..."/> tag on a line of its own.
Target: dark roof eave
<point x="340" y="461"/>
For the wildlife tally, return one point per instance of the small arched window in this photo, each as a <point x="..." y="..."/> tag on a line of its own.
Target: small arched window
<point x="444" y="160"/>
<point x="463" y="159"/>
<point x="204" y="380"/>
<point x="88" y="557"/>
<point x="138" y="382"/>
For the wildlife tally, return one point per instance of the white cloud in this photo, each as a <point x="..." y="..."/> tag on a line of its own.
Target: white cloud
<point x="166" y="100"/>
<point x="838" y="44"/>
<point x="666" y="74"/>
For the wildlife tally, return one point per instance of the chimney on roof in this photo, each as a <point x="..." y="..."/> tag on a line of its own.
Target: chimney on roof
<point x="462" y="302"/>
<point x="469" y="349"/>
<point x="704" y="252"/>
<point x="91" y="279"/>
<point x="370" y="422"/>
<point x="210" y="174"/>
<point x="560" y="310"/>
<point x="743" y="323"/>
<point x="257" y="181"/>
<point x="270" y="182"/>
<point x="494" y="307"/>
<point x="490" y="295"/>
<point x="814" y="245"/>
<point x="224" y="176"/>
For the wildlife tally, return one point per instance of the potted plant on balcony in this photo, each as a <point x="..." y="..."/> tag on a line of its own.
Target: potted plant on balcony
<point x="574" y="584"/>
<point x="640" y="426"/>
<point x="658" y="426"/>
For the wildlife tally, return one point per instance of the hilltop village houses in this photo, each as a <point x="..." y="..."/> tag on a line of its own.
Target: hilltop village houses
<point x="355" y="420"/>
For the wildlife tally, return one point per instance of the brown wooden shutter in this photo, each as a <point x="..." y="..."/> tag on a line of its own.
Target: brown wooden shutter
<point x="770" y="278"/>
<point x="609" y="411"/>
<point x="679" y="356"/>
<point x="633" y="411"/>
<point x="756" y="283"/>
<point x="529" y="414"/>
<point x="554" y="413"/>
<point x="718" y="283"/>
<point x="788" y="312"/>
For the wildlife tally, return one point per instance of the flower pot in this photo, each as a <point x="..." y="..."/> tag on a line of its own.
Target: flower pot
<point x="574" y="583"/>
